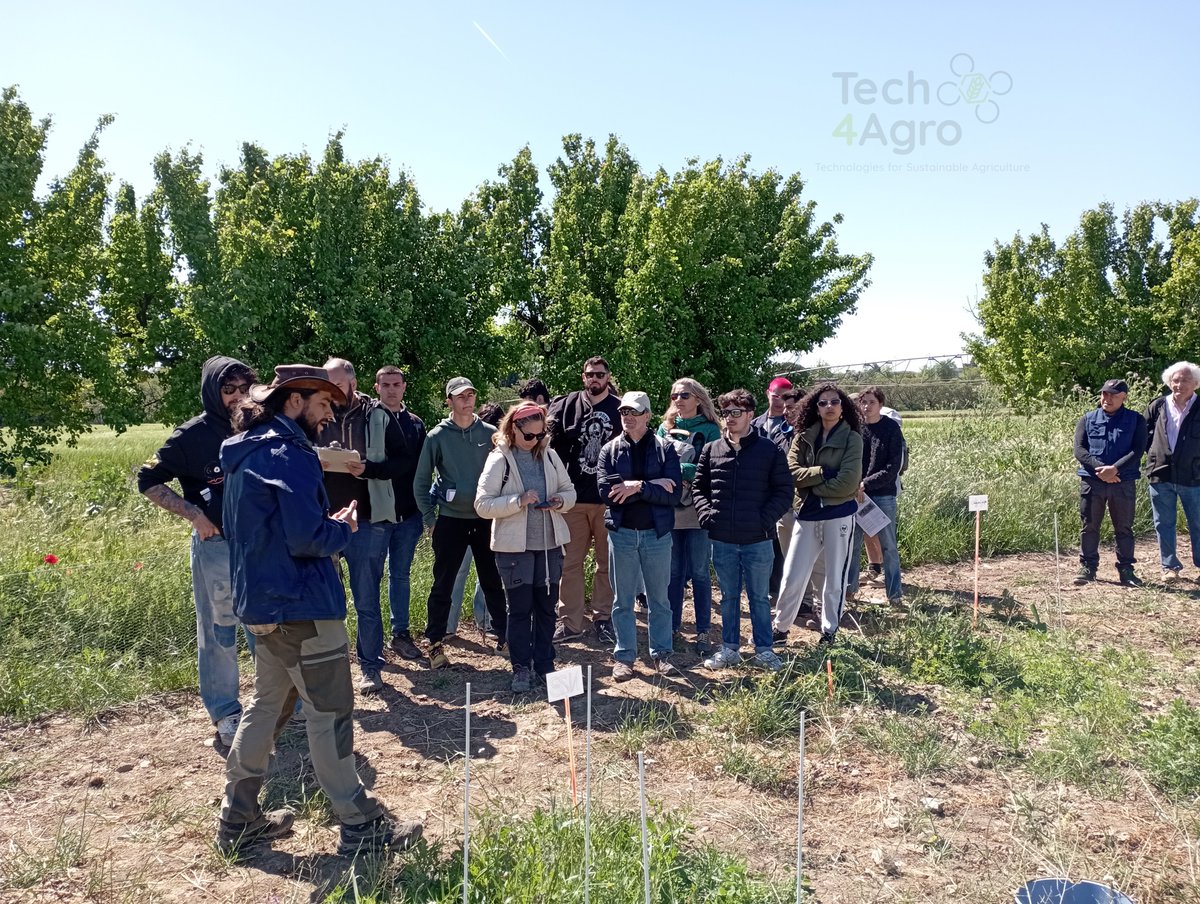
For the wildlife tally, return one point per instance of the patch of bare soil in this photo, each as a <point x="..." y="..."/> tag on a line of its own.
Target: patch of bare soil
<point x="124" y="809"/>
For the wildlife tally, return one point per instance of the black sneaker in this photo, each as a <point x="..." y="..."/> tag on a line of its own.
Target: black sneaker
<point x="779" y="638"/>
<point x="639" y="603"/>
<point x="1085" y="575"/>
<point x="827" y="639"/>
<point x="380" y="834"/>
<point x="1128" y="578"/>
<point x="232" y="837"/>
<point x="522" y="680"/>
<point x="402" y="645"/>
<point x="605" y="632"/>
<point x="562" y="633"/>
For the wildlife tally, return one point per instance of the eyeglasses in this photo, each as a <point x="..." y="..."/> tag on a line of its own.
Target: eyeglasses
<point x="733" y="412"/>
<point x="232" y="388"/>
<point x="829" y="403"/>
<point x="596" y="374"/>
<point x="675" y="396"/>
<point x="629" y="412"/>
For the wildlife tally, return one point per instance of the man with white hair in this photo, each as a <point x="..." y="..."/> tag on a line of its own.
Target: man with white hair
<point x="1173" y="464"/>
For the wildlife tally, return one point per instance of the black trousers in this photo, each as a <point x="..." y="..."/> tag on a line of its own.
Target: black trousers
<point x="531" y="584"/>
<point x="451" y="537"/>
<point x="1121" y="501"/>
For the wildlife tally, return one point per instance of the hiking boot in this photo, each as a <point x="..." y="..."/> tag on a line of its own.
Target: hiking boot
<point x="767" y="660"/>
<point x="522" y="680"/>
<point x="622" y="671"/>
<point x="380" y="834"/>
<point x="1128" y="578"/>
<point x="1085" y="575"/>
<point x="403" y="646"/>
<point x="779" y="638"/>
<point x="232" y="837"/>
<point x="724" y="658"/>
<point x="605" y="632"/>
<point x="371" y="682"/>
<point x="664" y="667"/>
<point x="703" y="644"/>
<point x="437" y="656"/>
<point x="227" y="728"/>
<point x="827" y="639"/>
<point x="563" y="633"/>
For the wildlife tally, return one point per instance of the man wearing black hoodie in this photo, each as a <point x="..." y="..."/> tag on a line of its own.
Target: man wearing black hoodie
<point x="191" y="455"/>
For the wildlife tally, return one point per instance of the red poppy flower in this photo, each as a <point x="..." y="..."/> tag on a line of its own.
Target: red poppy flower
<point x="50" y="559"/>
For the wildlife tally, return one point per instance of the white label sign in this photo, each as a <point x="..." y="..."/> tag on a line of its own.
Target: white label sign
<point x="564" y="683"/>
<point x="977" y="503"/>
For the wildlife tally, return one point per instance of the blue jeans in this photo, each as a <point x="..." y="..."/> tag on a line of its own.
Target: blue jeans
<point x="458" y="599"/>
<point x="402" y="547"/>
<point x="216" y="627"/>
<point x="634" y="557"/>
<point x="746" y="565"/>
<point x="887" y="544"/>
<point x="1164" y="501"/>
<point x="364" y="557"/>
<point x="690" y="555"/>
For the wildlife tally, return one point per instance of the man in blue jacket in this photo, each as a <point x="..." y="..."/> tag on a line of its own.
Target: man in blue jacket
<point x="288" y="594"/>
<point x="1109" y="443"/>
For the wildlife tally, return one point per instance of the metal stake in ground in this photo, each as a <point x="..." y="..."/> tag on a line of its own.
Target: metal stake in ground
<point x="587" y="793"/>
<point x="645" y="831"/>
<point x="467" y="801"/>
<point x="800" y="817"/>
<point x="1057" y="573"/>
<point x="978" y="505"/>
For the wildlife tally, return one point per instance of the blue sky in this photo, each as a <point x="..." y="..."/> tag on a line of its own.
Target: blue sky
<point x="1085" y="103"/>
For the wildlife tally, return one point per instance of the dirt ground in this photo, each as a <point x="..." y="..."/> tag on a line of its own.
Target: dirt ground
<point x="124" y="808"/>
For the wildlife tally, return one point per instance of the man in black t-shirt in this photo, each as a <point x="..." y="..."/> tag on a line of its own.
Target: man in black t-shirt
<point x="581" y="423"/>
<point x="191" y="455"/>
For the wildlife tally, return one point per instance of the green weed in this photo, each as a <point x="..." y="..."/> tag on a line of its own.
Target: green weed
<point x="915" y="741"/>
<point x="644" y="723"/>
<point x="1170" y="750"/>
<point x="752" y="768"/>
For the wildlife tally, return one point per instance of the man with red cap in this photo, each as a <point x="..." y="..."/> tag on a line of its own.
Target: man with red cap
<point x="773" y="418"/>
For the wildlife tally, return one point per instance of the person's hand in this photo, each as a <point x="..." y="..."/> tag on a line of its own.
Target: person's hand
<point x="204" y="527"/>
<point x="665" y="482"/>
<point x="624" y="490"/>
<point x="529" y="497"/>
<point x="356" y="468"/>
<point x="556" y="502"/>
<point x="348" y="515"/>
<point x="1108" y="473"/>
<point x="861" y="494"/>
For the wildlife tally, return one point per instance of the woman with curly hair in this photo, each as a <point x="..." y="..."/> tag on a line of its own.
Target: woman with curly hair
<point x="690" y="422"/>
<point x="826" y="465"/>
<point x="524" y="488"/>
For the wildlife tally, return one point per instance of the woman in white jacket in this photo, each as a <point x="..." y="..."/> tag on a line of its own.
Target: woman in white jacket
<point x="524" y="488"/>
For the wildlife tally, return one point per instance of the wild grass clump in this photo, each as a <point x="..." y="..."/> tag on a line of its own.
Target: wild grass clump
<point x="915" y="740"/>
<point x="643" y="723"/>
<point x="540" y="857"/>
<point x="1170" y="751"/>
<point x="749" y="766"/>
<point x="944" y="649"/>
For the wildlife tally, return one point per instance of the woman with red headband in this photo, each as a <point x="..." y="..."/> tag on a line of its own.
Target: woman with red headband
<point x="524" y="488"/>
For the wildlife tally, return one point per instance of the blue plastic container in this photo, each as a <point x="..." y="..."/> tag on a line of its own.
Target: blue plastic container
<point x="1064" y="891"/>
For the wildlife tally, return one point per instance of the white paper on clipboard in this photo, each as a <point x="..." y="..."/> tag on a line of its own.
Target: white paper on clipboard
<point x="337" y="459"/>
<point x="870" y="517"/>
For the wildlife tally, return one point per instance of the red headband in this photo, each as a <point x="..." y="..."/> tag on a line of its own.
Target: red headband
<point x="528" y="409"/>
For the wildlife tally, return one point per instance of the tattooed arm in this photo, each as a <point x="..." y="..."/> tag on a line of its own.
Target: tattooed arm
<point x="166" y="498"/>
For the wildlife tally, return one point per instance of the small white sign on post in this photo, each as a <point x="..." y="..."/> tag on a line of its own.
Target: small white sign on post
<point x="564" y="683"/>
<point x="977" y="503"/>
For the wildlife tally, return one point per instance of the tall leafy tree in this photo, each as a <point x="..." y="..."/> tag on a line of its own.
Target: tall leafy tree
<point x="58" y="350"/>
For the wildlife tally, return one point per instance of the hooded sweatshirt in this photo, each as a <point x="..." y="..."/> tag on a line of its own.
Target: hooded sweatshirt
<point x="457" y="454"/>
<point x="191" y="454"/>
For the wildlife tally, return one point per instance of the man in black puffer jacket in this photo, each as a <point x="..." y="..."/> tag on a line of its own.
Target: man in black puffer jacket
<point x="743" y="486"/>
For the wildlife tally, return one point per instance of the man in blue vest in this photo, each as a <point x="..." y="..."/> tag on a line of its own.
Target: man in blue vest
<point x="1109" y="444"/>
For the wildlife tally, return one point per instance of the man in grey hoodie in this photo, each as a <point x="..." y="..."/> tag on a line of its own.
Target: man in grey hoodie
<point x="191" y="455"/>
<point x="447" y="474"/>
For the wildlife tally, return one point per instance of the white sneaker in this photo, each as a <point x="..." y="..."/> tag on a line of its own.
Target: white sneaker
<point x="227" y="728"/>
<point x="767" y="660"/>
<point x="724" y="658"/>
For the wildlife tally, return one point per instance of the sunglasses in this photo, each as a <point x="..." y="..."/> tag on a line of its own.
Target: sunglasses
<point x="733" y="412"/>
<point x="232" y="388"/>
<point x="629" y="412"/>
<point x="596" y="374"/>
<point x="680" y="395"/>
<point x="829" y="403"/>
<point x="531" y="437"/>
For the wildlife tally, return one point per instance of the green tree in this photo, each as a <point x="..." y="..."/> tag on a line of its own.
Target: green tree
<point x="58" y="350"/>
<point x="1112" y="299"/>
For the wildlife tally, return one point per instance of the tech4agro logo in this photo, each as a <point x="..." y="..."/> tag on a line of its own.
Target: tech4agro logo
<point x="968" y="87"/>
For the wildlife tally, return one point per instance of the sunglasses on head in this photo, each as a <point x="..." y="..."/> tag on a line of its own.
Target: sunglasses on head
<point x="829" y="403"/>
<point x="597" y="374"/>
<point x="231" y="388"/>
<point x="680" y="395"/>
<point x="733" y="412"/>
<point x="628" y="412"/>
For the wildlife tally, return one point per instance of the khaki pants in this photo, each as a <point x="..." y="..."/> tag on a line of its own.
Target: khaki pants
<point x="309" y="659"/>
<point x="586" y="523"/>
